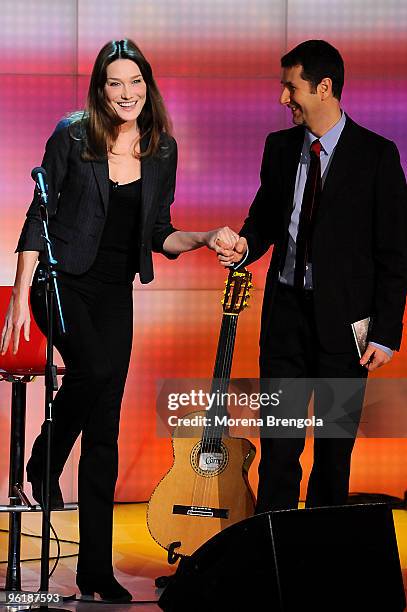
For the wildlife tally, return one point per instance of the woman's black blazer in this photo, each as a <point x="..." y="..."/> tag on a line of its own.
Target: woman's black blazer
<point x="78" y="199"/>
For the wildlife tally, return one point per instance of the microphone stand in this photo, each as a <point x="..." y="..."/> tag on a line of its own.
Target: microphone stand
<point x="51" y="384"/>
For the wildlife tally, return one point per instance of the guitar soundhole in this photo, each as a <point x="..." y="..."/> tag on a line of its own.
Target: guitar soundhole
<point x="209" y="460"/>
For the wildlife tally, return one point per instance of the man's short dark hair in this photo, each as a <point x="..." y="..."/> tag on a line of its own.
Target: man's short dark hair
<point x="319" y="60"/>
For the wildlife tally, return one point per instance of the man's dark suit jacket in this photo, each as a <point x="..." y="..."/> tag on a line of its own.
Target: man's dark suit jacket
<point x="78" y="198"/>
<point x="359" y="245"/>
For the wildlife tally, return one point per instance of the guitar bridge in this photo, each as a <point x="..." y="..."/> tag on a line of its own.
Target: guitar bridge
<point x="203" y="511"/>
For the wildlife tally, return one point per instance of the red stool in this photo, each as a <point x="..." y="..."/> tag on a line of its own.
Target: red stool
<point x="19" y="370"/>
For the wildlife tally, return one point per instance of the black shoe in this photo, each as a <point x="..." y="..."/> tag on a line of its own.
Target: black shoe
<point x="56" y="500"/>
<point x="108" y="588"/>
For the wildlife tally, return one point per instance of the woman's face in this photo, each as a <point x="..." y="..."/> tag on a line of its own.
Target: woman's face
<point x="125" y="89"/>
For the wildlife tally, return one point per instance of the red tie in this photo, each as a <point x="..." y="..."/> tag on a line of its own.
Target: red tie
<point x="310" y="200"/>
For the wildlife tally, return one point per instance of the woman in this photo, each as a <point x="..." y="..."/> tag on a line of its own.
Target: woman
<point x="111" y="181"/>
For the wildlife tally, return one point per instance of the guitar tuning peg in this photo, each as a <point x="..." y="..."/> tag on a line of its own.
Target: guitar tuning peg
<point x="250" y="285"/>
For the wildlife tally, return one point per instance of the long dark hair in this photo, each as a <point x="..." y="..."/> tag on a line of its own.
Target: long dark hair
<point x="99" y="125"/>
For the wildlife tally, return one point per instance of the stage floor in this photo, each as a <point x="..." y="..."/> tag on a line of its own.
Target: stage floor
<point x="138" y="559"/>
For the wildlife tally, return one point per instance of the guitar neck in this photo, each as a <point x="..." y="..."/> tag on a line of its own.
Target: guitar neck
<point x="221" y="378"/>
<point x="226" y="344"/>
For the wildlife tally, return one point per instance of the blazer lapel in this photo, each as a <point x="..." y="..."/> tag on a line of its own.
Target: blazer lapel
<point x="291" y="157"/>
<point x="101" y="171"/>
<point x="345" y="157"/>
<point x="149" y="177"/>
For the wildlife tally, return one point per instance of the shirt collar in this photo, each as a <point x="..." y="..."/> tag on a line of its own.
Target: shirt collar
<point x="328" y="140"/>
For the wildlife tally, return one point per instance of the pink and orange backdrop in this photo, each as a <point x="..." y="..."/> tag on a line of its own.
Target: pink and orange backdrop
<point x="217" y="64"/>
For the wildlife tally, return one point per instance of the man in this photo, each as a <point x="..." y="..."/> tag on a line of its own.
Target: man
<point x="333" y="202"/>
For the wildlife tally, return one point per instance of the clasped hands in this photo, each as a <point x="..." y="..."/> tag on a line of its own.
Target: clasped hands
<point x="229" y="246"/>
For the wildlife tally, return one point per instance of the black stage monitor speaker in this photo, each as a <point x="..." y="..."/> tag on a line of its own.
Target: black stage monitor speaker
<point x="332" y="559"/>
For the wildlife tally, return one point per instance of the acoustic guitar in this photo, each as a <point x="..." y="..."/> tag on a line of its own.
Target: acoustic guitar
<point x="207" y="488"/>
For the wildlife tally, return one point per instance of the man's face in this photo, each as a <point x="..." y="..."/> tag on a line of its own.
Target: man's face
<point x="305" y="106"/>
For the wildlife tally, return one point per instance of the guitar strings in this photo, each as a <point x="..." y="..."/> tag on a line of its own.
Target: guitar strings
<point x="225" y="379"/>
<point x="209" y="441"/>
<point x="214" y="439"/>
<point x="200" y="488"/>
<point x="199" y="492"/>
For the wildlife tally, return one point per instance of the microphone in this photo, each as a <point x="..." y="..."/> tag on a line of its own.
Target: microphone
<point x="40" y="177"/>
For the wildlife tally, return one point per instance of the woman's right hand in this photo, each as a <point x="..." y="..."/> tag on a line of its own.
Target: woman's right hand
<point x="17" y="317"/>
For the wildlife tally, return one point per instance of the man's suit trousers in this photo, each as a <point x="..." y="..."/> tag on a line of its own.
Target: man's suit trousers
<point x="291" y="350"/>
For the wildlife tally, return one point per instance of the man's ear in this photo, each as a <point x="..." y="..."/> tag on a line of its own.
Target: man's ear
<point x="325" y="88"/>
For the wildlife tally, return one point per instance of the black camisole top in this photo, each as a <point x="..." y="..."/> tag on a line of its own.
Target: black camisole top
<point x="117" y="257"/>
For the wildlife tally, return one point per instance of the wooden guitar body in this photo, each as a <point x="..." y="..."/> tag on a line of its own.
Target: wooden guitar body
<point x="192" y="503"/>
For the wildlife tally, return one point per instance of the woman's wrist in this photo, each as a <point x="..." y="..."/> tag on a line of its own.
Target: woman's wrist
<point x="20" y="291"/>
<point x="204" y="238"/>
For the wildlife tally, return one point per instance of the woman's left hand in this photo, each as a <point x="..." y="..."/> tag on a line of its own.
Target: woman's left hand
<point x="225" y="235"/>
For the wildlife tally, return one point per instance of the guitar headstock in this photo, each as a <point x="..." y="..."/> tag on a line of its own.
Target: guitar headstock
<point x="237" y="291"/>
